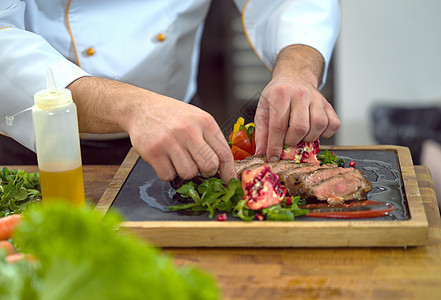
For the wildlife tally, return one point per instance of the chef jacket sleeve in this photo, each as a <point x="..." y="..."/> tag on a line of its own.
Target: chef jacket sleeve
<point x="273" y="25"/>
<point x="24" y="59"/>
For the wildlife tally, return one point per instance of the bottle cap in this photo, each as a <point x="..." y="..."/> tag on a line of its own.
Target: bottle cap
<point x="51" y="97"/>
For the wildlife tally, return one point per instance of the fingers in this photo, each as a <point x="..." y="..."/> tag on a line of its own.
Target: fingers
<point x="299" y="122"/>
<point x="333" y="121"/>
<point x="217" y="142"/>
<point x="289" y="115"/>
<point x="278" y="124"/>
<point x="261" y="122"/>
<point x="318" y="120"/>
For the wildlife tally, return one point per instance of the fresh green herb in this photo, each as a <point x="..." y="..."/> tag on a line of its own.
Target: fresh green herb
<point x="328" y="157"/>
<point x="250" y="131"/>
<point x="18" y="190"/>
<point x="214" y="196"/>
<point x="80" y="255"/>
<point x="284" y="211"/>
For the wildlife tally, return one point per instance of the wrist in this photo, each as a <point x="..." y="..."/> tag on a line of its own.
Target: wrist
<point x="300" y="61"/>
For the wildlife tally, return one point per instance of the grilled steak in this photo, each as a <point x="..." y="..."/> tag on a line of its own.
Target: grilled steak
<point x="337" y="185"/>
<point x="244" y="164"/>
<point x="324" y="183"/>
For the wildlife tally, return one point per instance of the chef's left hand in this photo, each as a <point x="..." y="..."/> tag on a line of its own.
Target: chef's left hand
<point x="291" y="108"/>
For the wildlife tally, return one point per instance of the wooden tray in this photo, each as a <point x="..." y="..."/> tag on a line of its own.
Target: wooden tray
<point x="299" y="233"/>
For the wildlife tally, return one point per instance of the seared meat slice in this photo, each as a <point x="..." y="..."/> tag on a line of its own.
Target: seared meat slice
<point x="282" y="166"/>
<point x="254" y="162"/>
<point x="288" y="175"/>
<point x="348" y="186"/>
<point x="339" y="186"/>
<point x="244" y="164"/>
<point x="300" y="180"/>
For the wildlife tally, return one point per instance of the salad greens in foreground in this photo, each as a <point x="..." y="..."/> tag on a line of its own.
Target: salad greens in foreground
<point x="18" y="190"/>
<point x="78" y="254"/>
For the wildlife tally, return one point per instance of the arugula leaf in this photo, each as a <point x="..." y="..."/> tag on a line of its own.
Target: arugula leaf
<point x="328" y="157"/>
<point x="215" y="196"/>
<point x="18" y="190"/>
<point x="80" y="255"/>
<point x="211" y="196"/>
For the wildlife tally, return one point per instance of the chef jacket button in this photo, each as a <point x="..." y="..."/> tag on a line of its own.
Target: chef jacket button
<point x="160" y="37"/>
<point x="90" y="51"/>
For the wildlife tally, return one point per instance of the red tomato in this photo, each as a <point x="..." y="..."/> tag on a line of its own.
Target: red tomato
<point x="253" y="142"/>
<point x="242" y="141"/>
<point x="238" y="153"/>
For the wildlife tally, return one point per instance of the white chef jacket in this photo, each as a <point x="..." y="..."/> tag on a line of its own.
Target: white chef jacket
<point x="153" y="44"/>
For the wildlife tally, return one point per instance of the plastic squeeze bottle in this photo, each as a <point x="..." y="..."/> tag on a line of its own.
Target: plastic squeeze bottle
<point x="57" y="141"/>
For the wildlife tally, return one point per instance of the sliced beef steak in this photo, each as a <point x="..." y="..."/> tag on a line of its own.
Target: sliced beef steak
<point x="245" y="164"/>
<point x="337" y="185"/>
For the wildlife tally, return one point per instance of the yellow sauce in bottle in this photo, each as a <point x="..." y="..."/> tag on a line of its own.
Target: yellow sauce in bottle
<point x="62" y="185"/>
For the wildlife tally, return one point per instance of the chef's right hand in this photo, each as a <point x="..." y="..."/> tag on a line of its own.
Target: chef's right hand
<point x="175" y="138"/>
<point x="178" y="138"/>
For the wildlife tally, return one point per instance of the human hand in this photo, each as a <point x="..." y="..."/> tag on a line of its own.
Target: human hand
<point x="170" y="135"/>
<point x="291" y="109"/>
<point x="179" y="138"/>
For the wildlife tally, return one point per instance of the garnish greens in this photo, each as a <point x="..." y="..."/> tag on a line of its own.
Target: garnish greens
<point x="328" y="157"/>
<point x="78" y="255"/>
<point x="18" y="190"/>
<point x="214" y="196"/>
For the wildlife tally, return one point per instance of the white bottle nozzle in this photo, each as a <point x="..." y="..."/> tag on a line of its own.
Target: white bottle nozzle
<point x="50" y="82"/>
<point x="10" y="119"/>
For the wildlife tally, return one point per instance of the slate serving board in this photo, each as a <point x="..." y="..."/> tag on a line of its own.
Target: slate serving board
<point x="142" y="198"/>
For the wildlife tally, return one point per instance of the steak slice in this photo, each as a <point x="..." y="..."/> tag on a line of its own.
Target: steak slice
<point x="288" y="175"/>
<point x="340" y="185"/>
<point x="314" y="177"/>
<point x="244" y="164"/>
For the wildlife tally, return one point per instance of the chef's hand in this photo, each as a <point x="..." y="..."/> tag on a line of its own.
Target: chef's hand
<point x="291" y="109"/>
<point x="172" y="136"/>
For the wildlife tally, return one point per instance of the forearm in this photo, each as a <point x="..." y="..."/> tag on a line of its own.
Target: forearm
<point x="105" y="106"/>
<point x="300" y="61"/>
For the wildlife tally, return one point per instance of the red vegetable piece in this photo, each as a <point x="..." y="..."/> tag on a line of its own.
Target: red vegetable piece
<point x="303" y="152"/>
<point x="242" y="141"/>
<point x="238" y="153"/>
<point x="262" y="188"/>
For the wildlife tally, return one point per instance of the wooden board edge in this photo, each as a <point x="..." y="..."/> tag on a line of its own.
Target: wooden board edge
<point x="117" y="182"/>
<point x="253" y="236"/>
<point x="411" y="188"/>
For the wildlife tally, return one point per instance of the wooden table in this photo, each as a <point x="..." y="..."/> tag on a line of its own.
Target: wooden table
<point x="303" y="273"/>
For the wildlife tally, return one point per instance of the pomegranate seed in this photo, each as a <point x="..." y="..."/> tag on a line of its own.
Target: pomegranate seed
<point x="221" y="217"/>
<point x="305" y="155"/>
<point x="259" y="217"/>
<point x="288" y="201"/>
<point x="303" y="160"/>
<point x="316" y="144"/>
<point x="299" y="151"/>
<point x="352" y="163"/>
<point x="301" y="144"/>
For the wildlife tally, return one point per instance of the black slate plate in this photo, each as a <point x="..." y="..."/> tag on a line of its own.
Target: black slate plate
<point x="144" y="197"/>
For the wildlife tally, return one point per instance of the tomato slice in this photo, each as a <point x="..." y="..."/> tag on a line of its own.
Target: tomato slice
<point x="238" y="153"/>
<point x="242" y="141"/>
